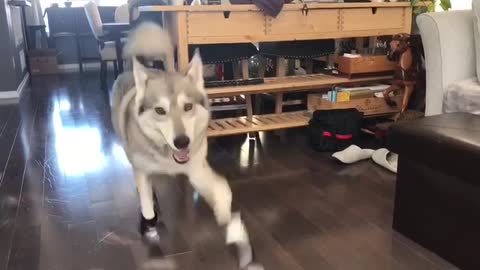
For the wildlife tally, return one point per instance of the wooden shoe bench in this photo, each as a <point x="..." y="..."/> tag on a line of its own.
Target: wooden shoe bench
<point x="220" y="24"/>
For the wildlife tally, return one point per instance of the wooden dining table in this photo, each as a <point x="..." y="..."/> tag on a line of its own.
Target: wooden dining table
<point x="115" y="32"/>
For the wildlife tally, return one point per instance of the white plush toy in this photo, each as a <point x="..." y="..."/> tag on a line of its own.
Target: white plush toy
<point x="353" y="154"/>
<point x="382" y="156"/>
<point x="386" y="159"/>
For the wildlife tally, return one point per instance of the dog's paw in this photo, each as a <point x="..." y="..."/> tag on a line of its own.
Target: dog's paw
<point x="148" y="229"/>
<point x="254" y="266"/>
<point x="236" y="231"/>
<point x="160" y="264"/>
<point x="237" y="235"/>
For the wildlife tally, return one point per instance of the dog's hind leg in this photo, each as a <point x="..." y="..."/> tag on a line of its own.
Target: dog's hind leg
<point x="145" y="193"/>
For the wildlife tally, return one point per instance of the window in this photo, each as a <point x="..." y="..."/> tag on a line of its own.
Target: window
<point x="81" y="3"/>
<point x="461" y="4"/>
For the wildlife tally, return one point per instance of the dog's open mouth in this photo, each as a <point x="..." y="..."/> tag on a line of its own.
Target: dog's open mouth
<point x="182" y="156"/>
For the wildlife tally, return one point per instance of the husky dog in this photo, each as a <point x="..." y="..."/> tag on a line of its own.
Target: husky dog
<point x="161" y="118"/>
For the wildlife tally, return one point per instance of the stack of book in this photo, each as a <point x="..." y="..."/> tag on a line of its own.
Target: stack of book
<point x="345" y="94"/>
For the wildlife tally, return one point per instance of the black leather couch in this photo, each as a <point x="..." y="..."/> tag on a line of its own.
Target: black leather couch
<point x="437" y="202"/>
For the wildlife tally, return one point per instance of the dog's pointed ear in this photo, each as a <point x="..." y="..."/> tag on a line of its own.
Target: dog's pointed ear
<point x="141" y="78"/>
<point x="195" y="71"/>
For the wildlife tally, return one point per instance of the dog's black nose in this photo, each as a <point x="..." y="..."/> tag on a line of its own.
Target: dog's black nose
<point x="181" y="142"/>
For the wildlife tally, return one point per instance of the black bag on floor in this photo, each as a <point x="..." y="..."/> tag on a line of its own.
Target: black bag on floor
<point x="334" y="130"/>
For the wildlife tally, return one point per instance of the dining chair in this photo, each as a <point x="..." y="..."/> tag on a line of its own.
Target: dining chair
<point x="237" y="57"/>
<point x="106" y="48"/>
<point x="281" y="52"/>
<point x="122" y="14"/>
<point x="221" y="56"/>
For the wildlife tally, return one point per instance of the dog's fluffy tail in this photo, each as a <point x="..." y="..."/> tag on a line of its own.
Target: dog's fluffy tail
<point x="150" y="41"/>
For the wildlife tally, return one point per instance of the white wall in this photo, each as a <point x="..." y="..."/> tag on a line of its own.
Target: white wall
<point x="461" y="4"/>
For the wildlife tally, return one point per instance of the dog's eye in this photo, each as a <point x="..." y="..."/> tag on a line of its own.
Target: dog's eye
<point x="188" y="107"/>
<point x="160" y="111"/>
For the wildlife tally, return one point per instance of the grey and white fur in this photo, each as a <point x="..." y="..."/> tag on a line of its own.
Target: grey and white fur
<point x="161" y="119"/>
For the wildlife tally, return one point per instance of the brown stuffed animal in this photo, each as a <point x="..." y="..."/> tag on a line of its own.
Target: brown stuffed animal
<point x="405" y="72"/>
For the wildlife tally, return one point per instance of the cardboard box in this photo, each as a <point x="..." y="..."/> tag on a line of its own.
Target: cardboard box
<point x="365" y="64"/>
<point x="43" y="61"/>
<point x="369" y="106"/>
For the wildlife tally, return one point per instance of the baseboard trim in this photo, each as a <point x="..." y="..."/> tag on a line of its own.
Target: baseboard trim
<point x="70" y="68"/>
<point x="23" y="84"/>
<point x="9" y="95"/>
<point x="16" y="94"/>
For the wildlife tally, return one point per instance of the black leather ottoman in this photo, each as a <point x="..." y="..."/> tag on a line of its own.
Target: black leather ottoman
<point x="437" y="199"/>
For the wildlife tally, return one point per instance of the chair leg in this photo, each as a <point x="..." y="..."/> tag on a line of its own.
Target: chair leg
<point x="237" y="71"/>
<point x="257" y="109"/>
<point x="103" y="75"/>
<point x="359" y="42"/>
<point x="309" y="66"/>
<point x="115" y="69"/>
<point x="44" y="38"/>
<point x="245" y="71"/>
<point x="333" y="57"/>
<point x="228" y="71"/>
<point x="249" y="104"/>
<point x="262" y="66"/>
<point x="278" y="103"/>
<point x="281" y="71"/>
<point x="79" y="54"/>
<point x="248" y="98"/>
<point x="281" y="67"/>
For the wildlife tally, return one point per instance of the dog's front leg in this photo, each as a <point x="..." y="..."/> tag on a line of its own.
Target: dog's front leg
<point x="214" y="189"/>
<point x="145" y="193"/>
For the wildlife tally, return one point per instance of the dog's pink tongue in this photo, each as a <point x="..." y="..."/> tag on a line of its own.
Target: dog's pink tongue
<point x="182" y="155"/>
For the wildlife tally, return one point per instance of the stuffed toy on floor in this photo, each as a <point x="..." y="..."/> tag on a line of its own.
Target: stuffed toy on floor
<point x="382" y="156"/>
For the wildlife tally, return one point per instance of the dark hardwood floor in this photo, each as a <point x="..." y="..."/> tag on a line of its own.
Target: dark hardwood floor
<point x="68" y="201"/>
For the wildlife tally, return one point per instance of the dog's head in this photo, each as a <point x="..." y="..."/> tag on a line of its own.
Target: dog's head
<point x="171" y="106"/>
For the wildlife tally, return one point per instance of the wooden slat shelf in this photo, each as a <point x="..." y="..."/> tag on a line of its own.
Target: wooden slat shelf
<point x="264" y="122"/>
<point x="291" y="84"/>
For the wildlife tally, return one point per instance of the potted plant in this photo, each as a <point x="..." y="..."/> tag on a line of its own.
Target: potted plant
<point x="424" y="6"/>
